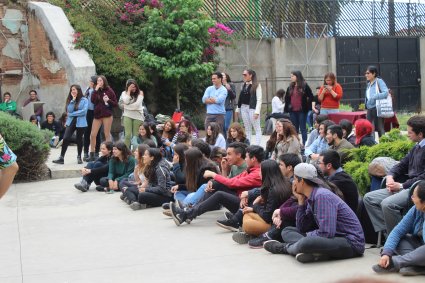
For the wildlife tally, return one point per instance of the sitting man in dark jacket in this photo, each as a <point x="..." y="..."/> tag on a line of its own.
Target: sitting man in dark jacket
<point x="330" y="165"/>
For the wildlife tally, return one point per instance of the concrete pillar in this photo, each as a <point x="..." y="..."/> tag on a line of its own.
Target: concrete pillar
<point x="422" y="66"/>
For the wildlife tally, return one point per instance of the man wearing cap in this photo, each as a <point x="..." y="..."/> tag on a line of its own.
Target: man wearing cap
<point x="326" y="228"/>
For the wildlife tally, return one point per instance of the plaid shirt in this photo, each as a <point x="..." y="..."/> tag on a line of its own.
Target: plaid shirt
<point x="334" y="218"/>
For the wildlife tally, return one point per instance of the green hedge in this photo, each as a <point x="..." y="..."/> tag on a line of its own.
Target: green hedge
<point x="30" y="145"/>
<point x="393" y="144"/>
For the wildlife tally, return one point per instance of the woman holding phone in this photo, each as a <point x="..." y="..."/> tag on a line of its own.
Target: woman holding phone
<point x="330" y="94"/>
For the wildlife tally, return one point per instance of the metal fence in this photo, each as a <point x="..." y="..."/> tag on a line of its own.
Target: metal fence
<point x="271" y="18"/>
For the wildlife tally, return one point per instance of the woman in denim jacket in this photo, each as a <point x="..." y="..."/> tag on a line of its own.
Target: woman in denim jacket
<point x="376" y="89"/>
<point x="76" y="107"/>
<point x="404" y="250"/>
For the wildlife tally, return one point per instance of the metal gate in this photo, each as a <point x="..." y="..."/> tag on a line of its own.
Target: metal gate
<point x="397" y="60"/>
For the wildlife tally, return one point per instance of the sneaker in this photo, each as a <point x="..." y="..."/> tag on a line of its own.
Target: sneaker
<point x="228" y="224"/>
<point x="59" y="144"/>
<point x="257" y="243"/>
<point x="412" y="270"/>
<point x="241" y="238"/>
<point x="275" y="247"/>
<point x="166" y="206"/>
<point x="79" y="161"/>
<point x="109" y="191"/>
<point x="82" y="186"/>
<point x="382" y="270"/>
<point x="122" y="197"/>
<point x="55" y="141"/>
<point x="228" y="215"/>
<point x="167" y="212"/>
<point x="99" y="188"/>
<point x="306" y="258"/>
<point x="127" y="201"/>
<point x="178" y="214"/>
<point x="60" y="160"/>
<point x="136" y="205"/>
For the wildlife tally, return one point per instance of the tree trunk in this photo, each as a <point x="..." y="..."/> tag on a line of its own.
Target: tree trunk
<point x="178" y="95"/>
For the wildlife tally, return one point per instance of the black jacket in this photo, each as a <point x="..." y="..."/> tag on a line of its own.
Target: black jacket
<point x="307" y="98"/>
<point x="367" y="141"/>
<point x="348" y="188"/>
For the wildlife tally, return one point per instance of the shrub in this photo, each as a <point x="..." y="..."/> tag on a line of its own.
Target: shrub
<point x="30" y="145"/>
<point x="392" y="144"/>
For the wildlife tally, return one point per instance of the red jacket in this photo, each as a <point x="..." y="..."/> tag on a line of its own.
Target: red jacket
<point x="100" y="109"/>
<point x="245" y="181"/>
<point x="328" y="100"/>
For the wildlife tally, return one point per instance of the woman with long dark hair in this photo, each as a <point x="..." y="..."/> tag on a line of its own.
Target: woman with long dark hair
<point x="179" y="163"/>
<point x="76" y="107"/>
<point x="249" y="104"/>
<point x="229" y="104"/>
<point x="298" y="102"/>
<point x="167" y="135"/>
<point x="121" y="165"/>
<point x="104" y="100"/>
<point x="287" y="140"/>
<point x="131" y="101"/>
<point x="330" y="94"/>
<point x="144" y="136"/>
<point x="376" y="89"/>
<point x="256" y="217"/>
<point x="156" y="190"/>
<point x="185" y="126"/>
<point x="214" y="137"/>
<point x="95" y="170"/>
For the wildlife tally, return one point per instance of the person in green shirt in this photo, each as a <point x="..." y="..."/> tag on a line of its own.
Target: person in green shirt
<point x="8" y="104"/>
<point x="121" y="165"/>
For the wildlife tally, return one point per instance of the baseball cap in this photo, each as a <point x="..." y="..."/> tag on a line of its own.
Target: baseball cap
<point x="308" y="172"/>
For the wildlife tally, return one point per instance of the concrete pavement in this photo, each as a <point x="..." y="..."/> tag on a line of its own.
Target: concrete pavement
<point x="52" y="232"/>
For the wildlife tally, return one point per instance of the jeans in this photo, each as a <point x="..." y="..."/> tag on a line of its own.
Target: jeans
<point x="410" y="252"/>
<point x="336" y="248"/>
<point x="92" y="177"/>
<point x="299" y="120"/>
<point x="376" y="121"/>
<point x="326" y="111"/>
<point x="227" y="121"/>
<point x="195" y="197"/>
<point x="218" y="118"/>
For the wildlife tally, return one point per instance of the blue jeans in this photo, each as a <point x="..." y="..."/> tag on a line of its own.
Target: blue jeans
<point x="194" y="198"/>
<point x="326" y="111"/>
<point x="227" y="121"/>
<point x="299" y="120"/>
<point x="180" y="195"/>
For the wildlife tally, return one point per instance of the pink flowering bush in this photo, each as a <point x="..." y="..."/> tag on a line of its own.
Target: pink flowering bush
<point x="133" y="11"/>
<point x="220" y="35"/>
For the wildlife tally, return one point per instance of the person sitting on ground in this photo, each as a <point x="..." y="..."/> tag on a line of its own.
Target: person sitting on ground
<point x="236" y="133"/>
<point x="364" y="133"/>
<point x="8" y="105"/>
<point x="284" y="216"/>
<point x="52" y="125"/>
<point x="143" y="136"/>
<point x="404" y="249"/>
<point x="184" y="127"/>
<point x="202" y="146"/>
<point x="33" y="120"/>
<point x="338" y="233"/>
<point x="314" y="134"/>
<point x="130" y="187"/>
<point x="179" y="163"/>
<point x="320" y="144"/>
<point x="337" y="142"/>
<point x="256" y="217"/>
<point x="34" y="98"/>
<point x="224" y="191"/>
<point x="330" y="164"/>
<point x="121" y="165"/>
<point x="157" y="188"/>
<point x="217" y="155"/>
<point x="95" y="170"/>
<point x="347" y="131"/>
<point x="167" y="135"/>
<point x="196" y="165"/>
<point x="287" y="140"/>
<point x="214" y="137"/>
<point x="386" y="206"/>
<point x="154" y="134"/>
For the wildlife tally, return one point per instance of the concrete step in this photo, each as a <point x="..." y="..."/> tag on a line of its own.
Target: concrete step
<point x="71" y="169"/>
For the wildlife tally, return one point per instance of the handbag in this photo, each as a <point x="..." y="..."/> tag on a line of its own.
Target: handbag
<point x="384" y="107"/>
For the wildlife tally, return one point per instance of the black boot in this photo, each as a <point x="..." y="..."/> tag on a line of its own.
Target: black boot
<point x="86" y="157"/>
<point x="79" y="161"/>
<point x="92" y="157"/>
<point x="60" y="160"/>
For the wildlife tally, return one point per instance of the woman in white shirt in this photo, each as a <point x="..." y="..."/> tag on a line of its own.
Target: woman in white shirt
<point x="131" y="101"/>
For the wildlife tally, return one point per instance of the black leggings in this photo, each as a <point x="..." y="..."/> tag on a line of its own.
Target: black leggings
<point x="153" y="200"/>
<point x="132" y="193"/>
<point x="67" y="137"/>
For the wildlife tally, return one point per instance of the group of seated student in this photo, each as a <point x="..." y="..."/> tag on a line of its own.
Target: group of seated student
<point x="280" y="204"/>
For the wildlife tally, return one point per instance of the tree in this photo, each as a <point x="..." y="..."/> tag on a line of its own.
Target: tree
<point x="174" y="38"/>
